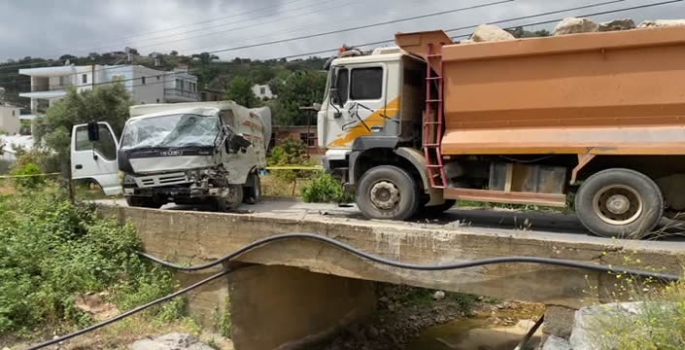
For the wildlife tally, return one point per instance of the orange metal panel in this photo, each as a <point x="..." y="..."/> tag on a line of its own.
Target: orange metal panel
<point x="544" y="199"/>
<point x="599" y="93"/>
<point x="645" y="140"/>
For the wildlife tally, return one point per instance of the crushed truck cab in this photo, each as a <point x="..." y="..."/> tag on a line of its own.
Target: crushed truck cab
<point x="187" y="153"/>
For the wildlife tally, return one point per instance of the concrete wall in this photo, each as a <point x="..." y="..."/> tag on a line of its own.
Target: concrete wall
<point x="9" y="119"/>
<point x="276" y="307"/>
<point x="148" y="85"/>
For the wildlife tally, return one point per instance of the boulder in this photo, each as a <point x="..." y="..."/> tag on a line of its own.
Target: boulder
<point x="617" y="24"/>
<point x="94" y="305"/>
<point x="662" y="23"/>
<point x="588" y="323"/>
<point x="556" y="343"/>
<point x="487" y="32"/>
<point x="575" y="26"/>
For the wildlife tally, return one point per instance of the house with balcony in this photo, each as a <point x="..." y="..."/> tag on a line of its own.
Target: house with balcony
<point x="146" y="85"/>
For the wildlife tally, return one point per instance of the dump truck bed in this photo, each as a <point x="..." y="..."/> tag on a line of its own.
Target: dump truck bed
<point x="598" y="93"/>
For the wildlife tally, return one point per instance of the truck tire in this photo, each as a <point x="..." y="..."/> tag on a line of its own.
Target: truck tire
<point x="143" y="202"/>
<point x="253" y="194"/>
<point x="233" y="201"/>
<point x="619" y="203"/>
<point x="388" y="193"/>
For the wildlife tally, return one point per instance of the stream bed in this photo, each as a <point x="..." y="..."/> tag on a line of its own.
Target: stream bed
<point x="475" y="334"/>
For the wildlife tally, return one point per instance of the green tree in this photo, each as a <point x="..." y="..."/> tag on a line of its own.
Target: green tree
<point x="303" y="88"/>
<point x="240" y="92"/>
<point x="106" y="104"/>
<point x="205" y="58"/>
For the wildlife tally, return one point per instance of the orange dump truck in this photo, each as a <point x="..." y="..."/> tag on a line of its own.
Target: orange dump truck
<point x="530" y="121"/>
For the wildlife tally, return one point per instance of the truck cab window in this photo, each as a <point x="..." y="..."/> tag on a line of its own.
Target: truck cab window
<point x="342" y="87"/>
<point x="105" y="147"/>
<point x="367" y="84"/>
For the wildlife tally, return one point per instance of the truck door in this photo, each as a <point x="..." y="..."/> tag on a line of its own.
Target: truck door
<point x="357" y="104"/>
<point x="95" y="157"/>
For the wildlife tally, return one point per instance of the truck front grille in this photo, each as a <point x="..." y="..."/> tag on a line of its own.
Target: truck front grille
<point x="161" y="180"/>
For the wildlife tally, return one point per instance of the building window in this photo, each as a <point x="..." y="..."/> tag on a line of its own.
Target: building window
<point x="159" y="77"/>
<point x="84" y="78"/>
<point x="157" y="100"/>
<point x="14" y="113"/>
<point x="262" y="90"/>
<point x="366" y="84"/>
<point x="142" y="80"/>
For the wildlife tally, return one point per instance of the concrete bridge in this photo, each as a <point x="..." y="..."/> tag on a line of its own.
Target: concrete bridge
<point x="298" y="292"/>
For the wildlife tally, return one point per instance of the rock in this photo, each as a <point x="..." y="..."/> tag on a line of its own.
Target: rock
<point x="439" y="295"/>
<point x="618" y="24"/>
<point x="487" y="32"/>
<point x="575" y="26"/>
<point x="558" y="321"/>
<point x="662" y="23"/>
<point x="94" y="305"/>
<point x="588" y="321"/>
<point x="556" y="343"/>
<point x="173" y="341"/>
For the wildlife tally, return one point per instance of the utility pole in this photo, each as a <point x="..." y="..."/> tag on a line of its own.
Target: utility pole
<point x="309" y="110"/>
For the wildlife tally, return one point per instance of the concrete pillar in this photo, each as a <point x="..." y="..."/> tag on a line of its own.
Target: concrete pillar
<point x="276" y="307"/>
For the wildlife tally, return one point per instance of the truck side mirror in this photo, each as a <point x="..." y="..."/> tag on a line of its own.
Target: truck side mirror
<point x="93" y="132"/>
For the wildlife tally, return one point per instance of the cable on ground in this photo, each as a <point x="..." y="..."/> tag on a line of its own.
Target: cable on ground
<point x="354" y="251"/>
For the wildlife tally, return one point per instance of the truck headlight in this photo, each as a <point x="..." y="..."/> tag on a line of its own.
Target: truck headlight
<point x="129" y="180"/>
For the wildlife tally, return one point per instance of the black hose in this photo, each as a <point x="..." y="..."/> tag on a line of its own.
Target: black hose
<point x="128" y="313"/>
<point x="408" y="266"/>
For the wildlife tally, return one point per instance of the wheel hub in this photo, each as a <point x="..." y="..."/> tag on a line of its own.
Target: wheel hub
<point x="384" y="195"/>
<point x="618" y="204"/>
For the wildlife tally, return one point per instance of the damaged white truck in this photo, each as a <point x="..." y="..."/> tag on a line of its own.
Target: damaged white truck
<point x="185" y="153"/>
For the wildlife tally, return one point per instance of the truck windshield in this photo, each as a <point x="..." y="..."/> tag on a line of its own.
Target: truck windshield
<point x="177" y="130"/>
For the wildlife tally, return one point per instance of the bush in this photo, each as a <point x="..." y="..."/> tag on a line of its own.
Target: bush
<point x="29" y="177"/>
<point x="324" y="188"/>
<point x="53" y="250"/>
<point x="290" y="152"/>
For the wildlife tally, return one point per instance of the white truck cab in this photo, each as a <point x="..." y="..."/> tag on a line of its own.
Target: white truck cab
<point x="184" y="153"/>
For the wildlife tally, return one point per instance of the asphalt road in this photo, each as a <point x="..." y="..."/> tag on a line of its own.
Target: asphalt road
<point x="539" y="223"/>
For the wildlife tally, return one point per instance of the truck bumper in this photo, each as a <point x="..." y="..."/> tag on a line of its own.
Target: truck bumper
<point x="173" y="193"/>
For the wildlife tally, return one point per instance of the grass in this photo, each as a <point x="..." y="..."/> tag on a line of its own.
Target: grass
<point x="660" y="323"/>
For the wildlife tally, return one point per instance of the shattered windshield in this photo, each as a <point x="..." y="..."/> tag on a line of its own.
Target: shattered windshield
<point x="178" y="130"/>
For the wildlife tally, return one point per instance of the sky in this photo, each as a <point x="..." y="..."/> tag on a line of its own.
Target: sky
<point x="49" y="29"/>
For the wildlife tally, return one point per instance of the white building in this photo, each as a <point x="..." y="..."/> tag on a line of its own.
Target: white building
<point x="49" y="84"/>
<point x="9" y="119"/>
<point x="263" y="92"/>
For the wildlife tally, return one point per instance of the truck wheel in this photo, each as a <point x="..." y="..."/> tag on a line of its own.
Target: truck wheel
<point x="143" y="202"/>
<point x="387" y="193"/>
<point x="254" y="194"/>
<point x="232" y="200"/>
<point x="619" y="203"/>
